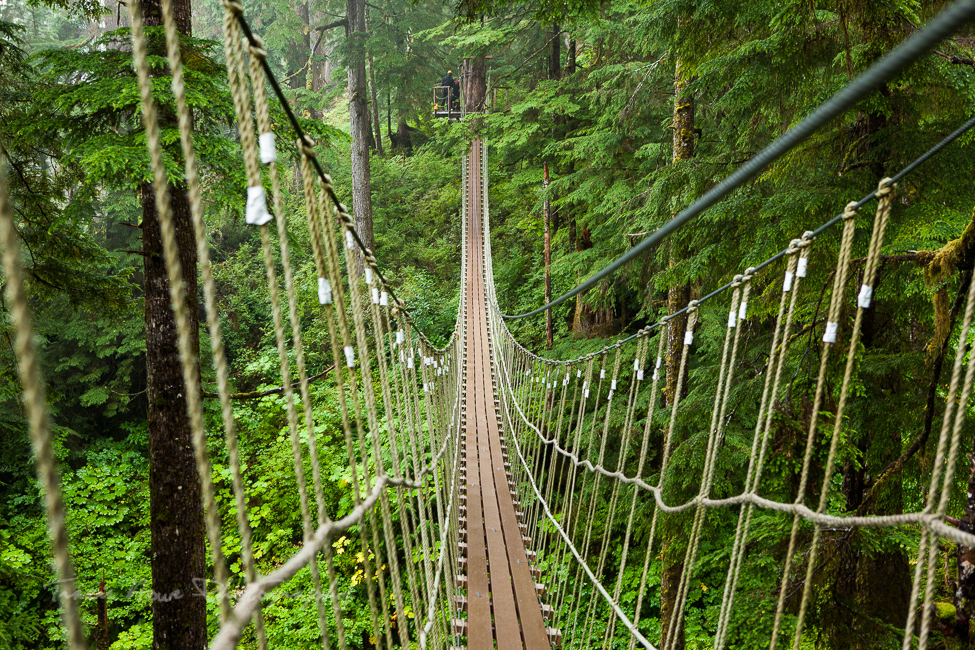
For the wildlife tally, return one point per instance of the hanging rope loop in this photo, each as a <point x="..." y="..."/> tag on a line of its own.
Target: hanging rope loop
<point x="235" y="7"/>
<point x="885" y="188"/>
<point x="306" y="146"/>
<point x="256" y="48"/>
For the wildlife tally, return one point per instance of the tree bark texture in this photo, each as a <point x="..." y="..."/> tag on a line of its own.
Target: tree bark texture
<point x="374" y="102"/>
<point x="175" y="505"/>
<point x="295" y="79"/>
<point x="555" y="54"/>
<point x="679" y="295"/>
<point x="669" y="586"/>
<point x="677" y="298"/>
<point x="474" y="84"/>
<point x="175" y="502"/>
<point x="359" y="124"/>
<point x="547" y="218"/>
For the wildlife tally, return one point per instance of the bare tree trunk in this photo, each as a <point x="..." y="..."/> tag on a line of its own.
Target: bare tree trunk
<point x="555" y="54"/>
<point x="176" y="526"/>
<point x="548" y="258"/>
<point x="376" y="124"/>
<point x="296" y="80"/>
<point x="175" y="502"/>
<point x="100" y="633"/>
<point x="116" y="17"/>
<point x="359" y="125"/>
<point x="583" y="317"/>
<point x="570" y="64"/>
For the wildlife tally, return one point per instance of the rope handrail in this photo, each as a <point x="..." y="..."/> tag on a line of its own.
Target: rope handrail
<point x="326" y="180"/>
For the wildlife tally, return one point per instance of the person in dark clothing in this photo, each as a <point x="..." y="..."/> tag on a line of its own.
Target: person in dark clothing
<point x="448" y="92"/>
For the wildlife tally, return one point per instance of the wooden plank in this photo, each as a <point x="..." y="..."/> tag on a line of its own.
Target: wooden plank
<point x="479" y="627"/>
<point x="502" y="594"/>
<point x="508" y="637"/>
<point x="492" y="514"/>
<point x="529" y="609"/>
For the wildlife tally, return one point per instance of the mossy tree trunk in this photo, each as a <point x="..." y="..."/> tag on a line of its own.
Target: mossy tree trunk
<point x="547" y="217"/>
<point x="680" y="294"/>
<point x="677" y="298"/>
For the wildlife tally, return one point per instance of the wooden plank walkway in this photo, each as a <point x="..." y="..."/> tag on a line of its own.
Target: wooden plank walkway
<point x="503" y="605"/>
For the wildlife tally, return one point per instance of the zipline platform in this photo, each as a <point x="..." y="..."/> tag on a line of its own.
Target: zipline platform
<point x="503" y="601"/>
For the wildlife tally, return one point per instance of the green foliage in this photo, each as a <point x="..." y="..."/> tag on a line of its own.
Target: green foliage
<point x="74" y="151"/>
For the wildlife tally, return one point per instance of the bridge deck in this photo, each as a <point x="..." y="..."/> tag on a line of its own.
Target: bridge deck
<point x="502" y="601"/>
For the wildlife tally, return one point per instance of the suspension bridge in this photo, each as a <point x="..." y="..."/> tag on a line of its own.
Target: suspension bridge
<point x="481" y="459"/>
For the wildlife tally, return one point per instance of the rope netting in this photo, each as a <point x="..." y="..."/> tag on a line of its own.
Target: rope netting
<point x="562" y="414"/>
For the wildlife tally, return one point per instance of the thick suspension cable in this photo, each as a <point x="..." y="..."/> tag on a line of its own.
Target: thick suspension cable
<point x="824" y="227"/>
<point x="943" y="25"/>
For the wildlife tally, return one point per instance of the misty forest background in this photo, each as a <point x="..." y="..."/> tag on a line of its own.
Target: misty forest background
<point x="637" y="108"/>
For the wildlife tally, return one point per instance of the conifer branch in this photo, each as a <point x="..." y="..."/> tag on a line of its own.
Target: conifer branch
<point x="271" y="391"/>
<point x="338" y="23"/>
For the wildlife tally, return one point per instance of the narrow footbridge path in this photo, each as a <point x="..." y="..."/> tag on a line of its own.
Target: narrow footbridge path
<point x="502" y="599"/>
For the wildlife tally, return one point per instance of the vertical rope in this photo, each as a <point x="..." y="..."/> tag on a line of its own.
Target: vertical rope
<point x="763" y="423"/>
<point x="885" y="197"/>
<point x="39" y="422"/>
<point x="177" y="294"/>
<point x="638" y="365"/>
<point x="212" y="314"/>
<point x="836" y="301"/>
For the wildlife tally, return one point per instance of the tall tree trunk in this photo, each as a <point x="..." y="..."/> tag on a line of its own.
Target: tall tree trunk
<point x="176" y="526"/>
<point x="669" y="586"/>
<point x="175" y="503"/>
<point x="555" y="54"/>
<point x="548" y="257"/>
<point x="677" y="298"/>
<point x="376" y="123"/>
<point x="582" y="320"/>
<point x="359" y="125"/>
<point x="295" y="79"/>
<point x="679" y="295"/>
<point x="570" y="64"/>
<point x="116" y="17"/>
<point x="474" y="84"/>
